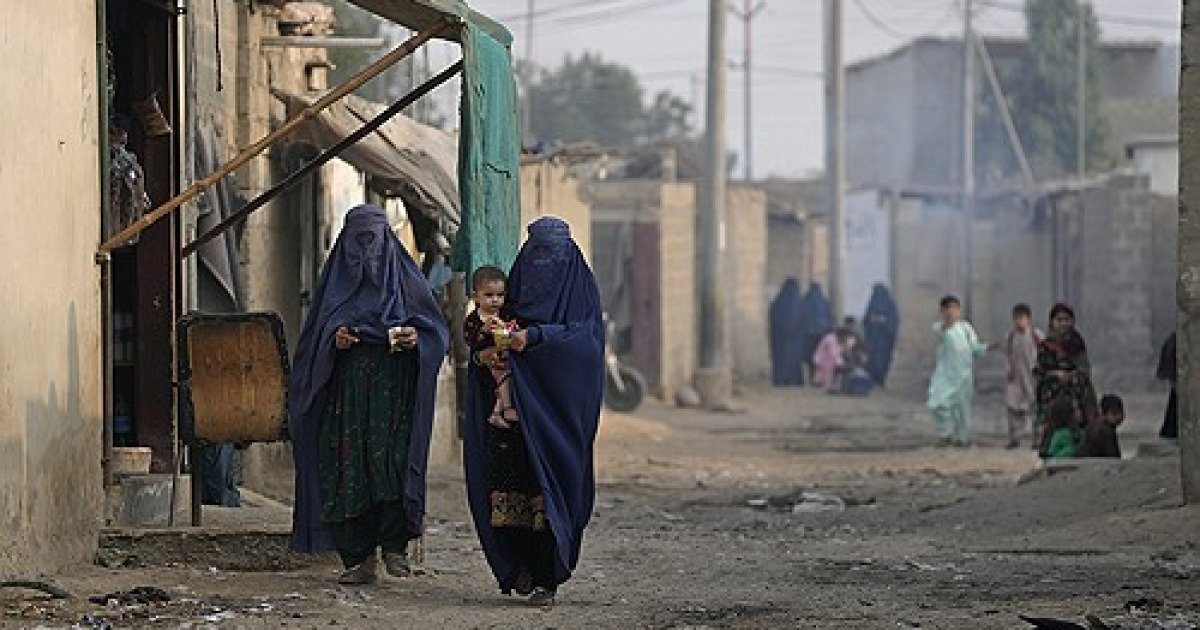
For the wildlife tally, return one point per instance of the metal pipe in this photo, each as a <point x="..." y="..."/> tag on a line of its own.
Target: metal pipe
<point x="307" y="41"/>
<point x="106" y="357"/>
<point x="104" y="260"/>
<point x="401" y="51"/>
<point x="324" y="157"/>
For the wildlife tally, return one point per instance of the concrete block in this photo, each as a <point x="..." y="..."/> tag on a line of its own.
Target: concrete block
<point x="145" y="500"/>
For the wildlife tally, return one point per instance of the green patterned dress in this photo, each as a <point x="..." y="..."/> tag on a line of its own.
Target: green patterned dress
<point x="364" y="436"/>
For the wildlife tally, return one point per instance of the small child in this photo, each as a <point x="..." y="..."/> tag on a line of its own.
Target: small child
<point x="1062" y="425"/>
<point x="485" y="328"/>
<point x="953" y="384"/>
<point x="1020" y="348"/>
<point x="829" y="359"/>
<point x="1100" y="437"/>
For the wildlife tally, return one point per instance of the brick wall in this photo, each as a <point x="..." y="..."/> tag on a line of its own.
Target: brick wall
<point x="677" y="222"/>
<point x="547" y="189"/>
<point x="747" y="278"/>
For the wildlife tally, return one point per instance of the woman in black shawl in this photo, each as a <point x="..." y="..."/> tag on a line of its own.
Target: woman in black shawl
<point x="361" y="401"/>
<point x="1063" y="371"/>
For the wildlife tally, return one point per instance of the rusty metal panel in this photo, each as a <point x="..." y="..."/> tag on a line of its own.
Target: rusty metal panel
<point x="233" y="378"/>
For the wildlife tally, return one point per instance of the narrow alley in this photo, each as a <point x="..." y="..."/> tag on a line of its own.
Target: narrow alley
<point x="801" y="511"/>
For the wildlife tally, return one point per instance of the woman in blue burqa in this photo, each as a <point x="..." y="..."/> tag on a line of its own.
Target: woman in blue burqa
<point x="531" y="486"/>
<point x="361" y="401"/>
<point x="881" y="325"/>
<point x="816" y="321"/>
<point x="787" y="357"/>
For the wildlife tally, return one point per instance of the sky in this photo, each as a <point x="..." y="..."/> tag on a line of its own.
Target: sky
<point x="664" y="42"/>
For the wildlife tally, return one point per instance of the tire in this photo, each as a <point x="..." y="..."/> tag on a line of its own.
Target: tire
<point x="634" y="389"/>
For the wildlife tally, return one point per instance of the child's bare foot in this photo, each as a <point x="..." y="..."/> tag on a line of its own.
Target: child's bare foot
<point x="496" y="419"/>
<point x="510" y="415"/>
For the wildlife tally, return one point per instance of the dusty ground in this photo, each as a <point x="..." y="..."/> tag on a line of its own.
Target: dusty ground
<point x="803" y="511"/>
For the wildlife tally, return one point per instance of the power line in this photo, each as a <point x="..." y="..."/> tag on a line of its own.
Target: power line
<point x="879" y="23"/>
<point x="883" y="26"/>
<point x="548" y="11"/>
<point x="614" y="12"/>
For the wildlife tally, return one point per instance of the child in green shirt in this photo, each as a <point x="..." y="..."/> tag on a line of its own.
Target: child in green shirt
<point x="1063" y="424"/>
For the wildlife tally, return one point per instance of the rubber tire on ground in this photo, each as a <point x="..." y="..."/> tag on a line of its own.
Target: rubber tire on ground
<point x="630" y="399"/>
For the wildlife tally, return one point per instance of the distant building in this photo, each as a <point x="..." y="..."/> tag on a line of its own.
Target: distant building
<point x="1156" y="157"/>
<point x="904" y="110"/>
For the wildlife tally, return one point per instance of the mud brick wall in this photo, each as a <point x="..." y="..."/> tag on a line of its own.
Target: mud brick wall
<point x="746" y="216"/>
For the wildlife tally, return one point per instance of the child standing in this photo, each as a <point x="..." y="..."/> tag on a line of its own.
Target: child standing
<point x="1062" y="425"/>
<point x="1020" y="348"/>
<point x="953" y="382"/>
<point x="485" y="328"/>
<point x="1100" y="438"/>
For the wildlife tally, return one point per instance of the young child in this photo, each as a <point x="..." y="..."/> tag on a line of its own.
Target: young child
<point x="829" y="359"/>
<point x="1020" y="348"/>
<point x="485" y="328"/>
<point x="953" y="382"/>
<point x="1062" y="427"/>
<point x="1100" y="438"/>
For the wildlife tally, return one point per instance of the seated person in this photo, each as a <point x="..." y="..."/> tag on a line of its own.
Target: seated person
<point x="1062" y="425"/>
<point x="1100" y="437"/>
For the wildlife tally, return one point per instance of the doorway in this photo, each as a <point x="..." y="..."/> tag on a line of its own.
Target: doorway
<point x="142" y="97"/>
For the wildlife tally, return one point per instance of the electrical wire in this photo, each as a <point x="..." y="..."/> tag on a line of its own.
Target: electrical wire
<point x="883" y="26"/>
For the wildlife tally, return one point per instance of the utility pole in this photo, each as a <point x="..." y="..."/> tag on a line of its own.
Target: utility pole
<point x="968" y="165"/>
<point x="1188" y="340"/>
<point x="527" y="75"/>
<point x="835" y="144"/>
<point x="714" y="377"/>
<point x="1080" y="92"/>
<point x="747" y="15"/>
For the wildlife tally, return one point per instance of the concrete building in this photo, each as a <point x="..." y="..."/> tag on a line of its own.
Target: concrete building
<point x="644" y="244"/>
<point x="904" y="109"/>
<point x="173" y="96"/>
<point x="1156" y="157"/>
<point x="51" y="414"/>
<point x="1105" y="247"/>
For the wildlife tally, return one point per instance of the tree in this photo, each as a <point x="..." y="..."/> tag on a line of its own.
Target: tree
<point x="1046" y="100"/>
<point x="589" y="99"/>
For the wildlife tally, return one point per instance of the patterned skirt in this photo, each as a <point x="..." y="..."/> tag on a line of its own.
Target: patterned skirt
<point x="513" y="490"/>
<point x="366" y="423"/>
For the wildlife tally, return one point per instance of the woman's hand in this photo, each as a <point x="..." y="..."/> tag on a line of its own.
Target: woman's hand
<point x="519" y="340"/>
<point x="403" y="337"/>
<point x="491" y="357"/>
<point x="343" y="338"/>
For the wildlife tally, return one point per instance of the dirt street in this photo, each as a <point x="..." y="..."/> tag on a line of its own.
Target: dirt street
<point x="803" y="511"/>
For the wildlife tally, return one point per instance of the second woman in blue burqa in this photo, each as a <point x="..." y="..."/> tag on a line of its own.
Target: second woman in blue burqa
<point x="531" y="487"/>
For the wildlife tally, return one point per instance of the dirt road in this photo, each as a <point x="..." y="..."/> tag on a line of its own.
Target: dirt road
<point x="804" y="511"/>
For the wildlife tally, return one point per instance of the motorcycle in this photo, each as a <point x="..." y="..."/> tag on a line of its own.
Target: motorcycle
<point x="624" y="385"/>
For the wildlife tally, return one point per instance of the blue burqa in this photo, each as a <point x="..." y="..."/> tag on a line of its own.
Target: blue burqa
<point x="557" y="384"/>
<point x="787" y="358"/>
<point x="881" y="325"/>
<point x="369" y="284"/>
<point x="816" y="320"/>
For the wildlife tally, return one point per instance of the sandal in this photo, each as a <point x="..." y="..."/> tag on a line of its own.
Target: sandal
<point x="542" y="597"/>
<point x="524" y="583"/>
<point x="364" y="573"/>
